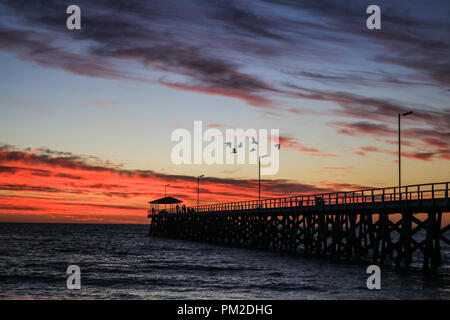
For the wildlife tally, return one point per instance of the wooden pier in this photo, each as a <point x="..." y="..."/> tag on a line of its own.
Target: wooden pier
<point x="380" y="226"/>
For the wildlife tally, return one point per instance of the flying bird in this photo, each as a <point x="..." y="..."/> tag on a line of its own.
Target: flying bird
<point x="254" y="140"/>
<point x="228" y="144"/>
<point x="278" y="146"/>
<point x="252" y="149"/>
<point x="240" y="145"/>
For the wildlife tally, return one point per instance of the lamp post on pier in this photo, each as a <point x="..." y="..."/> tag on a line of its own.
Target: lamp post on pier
<point x="198" y="189"/>
<point x="259" y="178"/>
<point x="400" y="153"/>
<point x="165" y="189"/>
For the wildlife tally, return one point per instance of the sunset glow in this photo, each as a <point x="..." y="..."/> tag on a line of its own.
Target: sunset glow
<point x="86" y="115"/>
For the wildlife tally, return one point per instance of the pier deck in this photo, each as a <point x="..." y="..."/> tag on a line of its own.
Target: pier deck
<point x="381" y="225"/>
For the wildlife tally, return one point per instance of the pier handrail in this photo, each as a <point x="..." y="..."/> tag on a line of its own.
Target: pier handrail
<point x="377" y="195"/>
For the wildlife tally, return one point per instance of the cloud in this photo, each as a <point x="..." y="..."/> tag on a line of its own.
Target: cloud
<point x="83" y="186"/>
<point x="436" y="141"/>
<point x="242" y="21"/>
<point x="344" y="186"/>
<point x="362" y="127"/>
<point x="292" y="143"/>
<point x="250" y="98"/>
<point x="38" y="47"/>
<point x="412" y="36"/>
<point x="213" y="42"/>
<point x="368" y="108"/>
<point x="376" y="117"/>
<point x="254" y="53"/>
<point x="422" y="156"/>
<point x="379" y="79"/>
<point x="141" y="39"/>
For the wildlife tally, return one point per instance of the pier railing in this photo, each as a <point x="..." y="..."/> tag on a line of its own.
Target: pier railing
<point x="378" y="195"/>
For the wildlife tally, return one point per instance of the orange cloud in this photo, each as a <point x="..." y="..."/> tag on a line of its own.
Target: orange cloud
<point x="50" y="186"/>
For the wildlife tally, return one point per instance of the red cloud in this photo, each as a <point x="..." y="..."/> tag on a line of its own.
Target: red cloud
<point x="251" y="99"/>
<point x="45" y="185"/>
<point x="424" y="156"/>
<point x="293" y="144"/>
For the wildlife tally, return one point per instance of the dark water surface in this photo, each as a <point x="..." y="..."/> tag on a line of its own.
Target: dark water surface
<point x="121" y="262"/>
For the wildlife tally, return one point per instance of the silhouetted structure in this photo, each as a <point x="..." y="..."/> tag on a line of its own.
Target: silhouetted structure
<point x="164" y="205"/>
<point x="355" y="225"/>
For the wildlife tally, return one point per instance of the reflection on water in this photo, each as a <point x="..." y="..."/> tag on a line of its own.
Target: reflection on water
<point x="121" y="262"/>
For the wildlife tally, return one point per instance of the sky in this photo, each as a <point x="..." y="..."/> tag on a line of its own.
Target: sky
<point x="86" y="115"/>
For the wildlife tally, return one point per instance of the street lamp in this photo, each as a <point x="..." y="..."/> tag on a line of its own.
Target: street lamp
<point x="198" y="189"/>
<point x="259" y="178"/>
<point x="400" y="152"/>
<point x="165" y="189"/>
